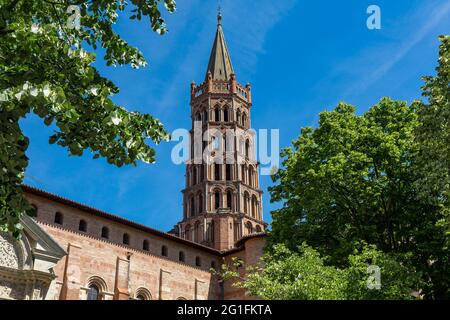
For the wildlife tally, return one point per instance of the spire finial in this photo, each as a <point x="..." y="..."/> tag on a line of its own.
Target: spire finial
<point x="219" y="14"/>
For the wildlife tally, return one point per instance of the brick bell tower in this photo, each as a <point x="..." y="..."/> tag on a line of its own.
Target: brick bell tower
<point x="222" y="198"/>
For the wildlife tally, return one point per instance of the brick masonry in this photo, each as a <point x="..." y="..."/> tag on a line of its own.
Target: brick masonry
<point x="123" y="271"/>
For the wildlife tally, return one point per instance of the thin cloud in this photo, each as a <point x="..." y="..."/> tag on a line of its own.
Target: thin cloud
<point x="373" y="63"/>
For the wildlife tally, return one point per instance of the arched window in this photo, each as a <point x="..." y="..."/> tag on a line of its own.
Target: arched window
<point x="254" y="206"/>
<point x="217" y="200"/>
<point x="143" y="294"/>
<point x="217" y="168"/>
<point x="229" y="199"/>
<point x="247" y="148"/>
<point x="126" y="239"/>
<point x="164" y="251"/>
<point x="82" y="226"/>
<point x="58" y="218"/>
<point x="105" y="233"/>
<point x="93" y="292"/>
<point x="246" y="201"/>
<point x="251" y="176"/>
<point x="145" y="245"/>
<point x="187" y="232"/>
<point x="181" y="257"/>
<point x="200" y="203"/>
<point x="194" y="175"/>
<point x="192" y="206"/>
<point x="217" y="114"/>
<point x="249" y="227"/>
<point x="228" y="170"/>
<point x="226" y="115"/>
<point x="210" y="231"/>
<point x="202" y="172"/>
<point x="197" y="231"/>
<point x="238" y="116"/>
<point x="258" y="228"/>
<point x="96" y="287"/>
<point x="198" y="261"/>
<point x="244" y="120"/>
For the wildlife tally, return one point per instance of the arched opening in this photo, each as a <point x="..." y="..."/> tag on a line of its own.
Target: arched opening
<point x="254" y="206"/>
<point x="226" y="115"/>
<point x="197" y="231"/>
<point x="210" y="231"/>
<point x="145" y="245"/>
<point x="164" y="251"/>
<point x="249" y="227"/>
<point x="192" y="206"/>
<point x="229" y="199"/>
<point x="200" y="203"/>
<point x="217" y="114"/>
<point x="105" y="233"/>
<point x="238" y="116"/>
<point x="228" y="169"/>
<point x="251" y="177"/>
<point x="82" y="226"/>
<point x="205" y="116"/>
<point x="244" y="120"/>
<point x="246" y="202"/>
<point x="93" y="292"/>
<point x="187" y="232"/>
<point x="126" y="239"/>
<point x="202" y="172"/>
<point x="143" y="294"/>
<point x="58" y="218"/>
<point x="217" y="168"/>
<point x="194" y="176"/>
<point x="258" y="228"/>
<point x="243" y="173"/>
<point x="217" y="200"/>
<point x="96" y="288"/>
<point x="181" y="257"/>
<point x="247" y="148"/>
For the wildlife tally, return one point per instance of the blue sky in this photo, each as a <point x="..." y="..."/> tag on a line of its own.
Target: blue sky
<point x="301" y="57"/>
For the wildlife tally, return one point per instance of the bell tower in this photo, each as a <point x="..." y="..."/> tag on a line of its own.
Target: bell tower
<point x="222" y="198"/>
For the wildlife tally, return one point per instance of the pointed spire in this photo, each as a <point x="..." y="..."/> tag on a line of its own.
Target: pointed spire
<point x="219" y="64"/>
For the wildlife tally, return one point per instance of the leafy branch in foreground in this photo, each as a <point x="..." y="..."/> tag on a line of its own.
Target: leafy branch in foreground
<point x="44" y="69"/>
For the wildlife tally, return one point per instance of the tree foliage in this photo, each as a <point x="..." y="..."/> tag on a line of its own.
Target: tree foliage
<point x="433" y="137"/>
<point x="45" y="69"/>
<point x="381" y="178"/>
<point x="304" y="275"/>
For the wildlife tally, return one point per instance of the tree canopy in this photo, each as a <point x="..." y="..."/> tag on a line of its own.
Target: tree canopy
<point x="381" y="177"/>
<point x="46" y="68"/>
<point x="304" y="275"/>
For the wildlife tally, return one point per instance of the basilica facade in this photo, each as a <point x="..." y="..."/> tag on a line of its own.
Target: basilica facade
<point x="70" y="251"/>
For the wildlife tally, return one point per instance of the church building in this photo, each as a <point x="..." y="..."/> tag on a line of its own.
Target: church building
<point x="71" y="251"/>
